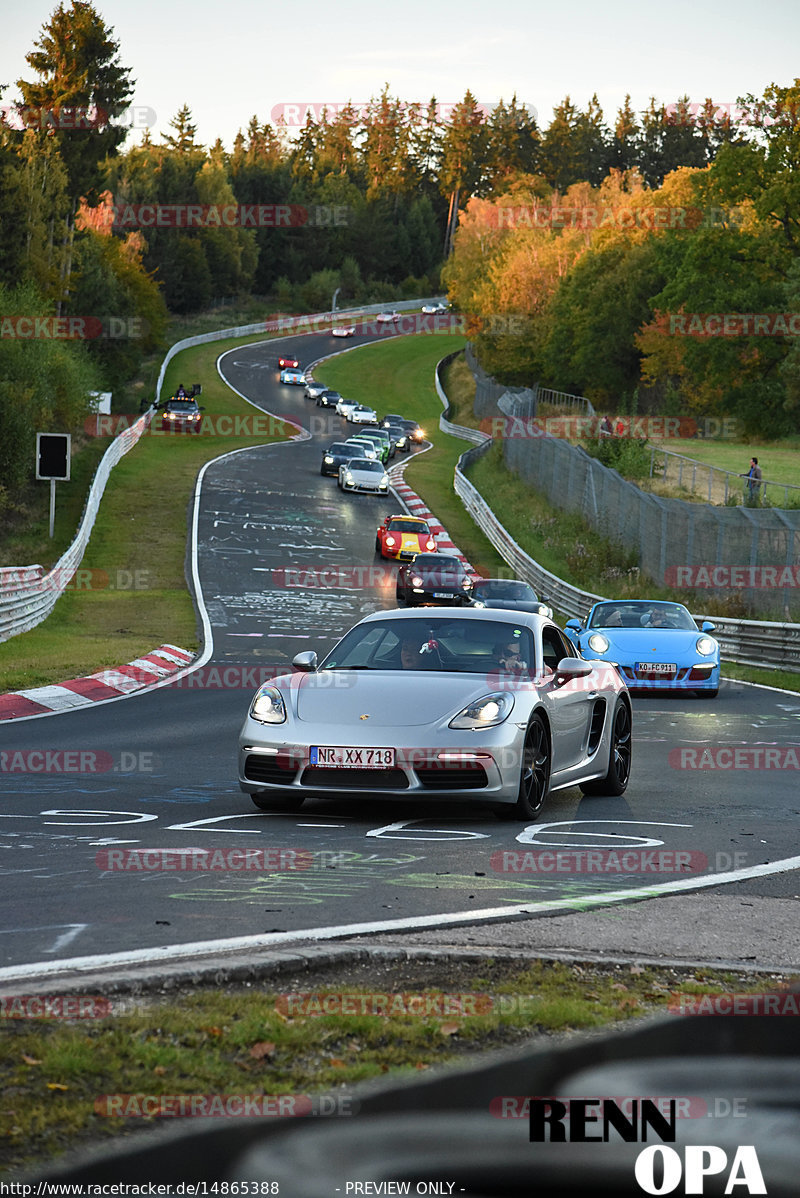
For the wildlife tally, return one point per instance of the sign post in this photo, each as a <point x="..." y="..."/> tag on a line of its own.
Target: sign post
<point x="53" y="462"/>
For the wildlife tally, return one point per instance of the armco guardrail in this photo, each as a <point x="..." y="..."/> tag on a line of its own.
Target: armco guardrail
<point x="748" y="642"/>
<point x="27" y="596"/>
<point x="26" y="601"/>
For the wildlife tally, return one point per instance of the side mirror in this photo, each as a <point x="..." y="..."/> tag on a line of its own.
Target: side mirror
<point x="707" y="626"/>
<point x="570" y="668"/>
<point x="306" y="661"/>
<point x="573" y="625"/>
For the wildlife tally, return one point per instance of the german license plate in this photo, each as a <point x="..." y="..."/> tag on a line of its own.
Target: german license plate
<point x="352" y="756"/>
<point x="656" y="667"/>
<point x="443" y="595"/>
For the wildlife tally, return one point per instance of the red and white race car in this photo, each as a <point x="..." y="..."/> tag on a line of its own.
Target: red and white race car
<point x="402" y="537"/>
<point x="288" y="361"/>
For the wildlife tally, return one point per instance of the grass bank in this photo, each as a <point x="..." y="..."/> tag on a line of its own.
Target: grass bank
<point x="60" y="1079"/>
<point x="135" y="595"/>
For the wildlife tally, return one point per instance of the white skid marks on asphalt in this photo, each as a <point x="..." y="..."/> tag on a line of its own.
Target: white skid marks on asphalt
<point x="176" y="952"/>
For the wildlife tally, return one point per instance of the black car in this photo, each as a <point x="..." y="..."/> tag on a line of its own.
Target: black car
<point x="509" y="595"/>
<point x="433" y="578"/>
<point x="339" y="452"/>
<point x="328" y="399"/>
<point x="414" y="430"/>
<point x="399" y="434"/>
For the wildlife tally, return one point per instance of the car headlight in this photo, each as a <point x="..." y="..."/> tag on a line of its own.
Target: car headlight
<point x="416" y="581"/>
<point x="430" y="545"/>
<point x="348" y="478"/>
<point x="485" y="712"/>
<point x="328" y="460"/>
<point x="706" y="646"/>
<point x="384" y="484"/>
<point x="268" y="706"/>
<point x="390" y="541"/>
<point x="598" y="643"/>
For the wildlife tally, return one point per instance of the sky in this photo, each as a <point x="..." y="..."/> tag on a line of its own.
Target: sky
<point x="231" y="61"/>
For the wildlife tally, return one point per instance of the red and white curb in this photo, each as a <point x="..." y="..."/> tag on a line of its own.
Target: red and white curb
<point x="106" y="684"/>
<point x="417" y="507"/>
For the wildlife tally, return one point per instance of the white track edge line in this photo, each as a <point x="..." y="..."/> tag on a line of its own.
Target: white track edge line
<point x="178" y="952"/>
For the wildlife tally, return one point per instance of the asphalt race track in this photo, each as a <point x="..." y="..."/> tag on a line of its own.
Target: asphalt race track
<point x="171" y="758"/>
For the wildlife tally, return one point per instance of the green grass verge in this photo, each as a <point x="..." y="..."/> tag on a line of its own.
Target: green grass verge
<point x="237" y="1041"/>
<point x="139" y="538"/>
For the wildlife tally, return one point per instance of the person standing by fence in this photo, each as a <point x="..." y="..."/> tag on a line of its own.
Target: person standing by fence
<point x="753" y="477"/>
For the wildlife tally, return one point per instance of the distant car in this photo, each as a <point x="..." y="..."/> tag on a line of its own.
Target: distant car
<point x="434" y="309"/>
<point x="433" y="578"/>
<point x="387" y="317"/>
<point x="403" y="537"/>
<point x="313" y="389"/>
<point x="337" y="453"/>
<point x="343" y="406"/>
<point x="510" y="595"/>
<point x="358" y="475"/>
<point x="655" y="645"/>
<point x="381" y="439"/>
<point x="399" y="434"/>
<point x="182" y="414"/>
<point x="288" y="360"/>
<point x="348" y="330"/>
<point x="361" y="414"/>
<point x="294" y="376"/>
<point x="328" y="398"/>
<point x="371" y="450"/>
<point x="415" y="432"/>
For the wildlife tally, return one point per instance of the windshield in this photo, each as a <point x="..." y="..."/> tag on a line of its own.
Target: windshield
<point x="367" y="466"/>
<point x="500" y="589"/>
<point x="641" y="614"/>
<point x="430" y="643"/>
<point x="409" y="526"/>
<point x="182" y="405"/>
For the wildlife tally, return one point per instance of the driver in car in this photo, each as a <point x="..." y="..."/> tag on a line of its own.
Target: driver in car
<point x="658" y="617"/>
<point x="509" y="656"/>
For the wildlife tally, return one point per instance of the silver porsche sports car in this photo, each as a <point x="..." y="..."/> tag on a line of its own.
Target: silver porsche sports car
<point x="451" y="703"/>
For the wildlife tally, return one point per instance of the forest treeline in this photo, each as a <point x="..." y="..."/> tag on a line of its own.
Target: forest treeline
<point x="680" y="297"/>
<point x="401" y="187"/>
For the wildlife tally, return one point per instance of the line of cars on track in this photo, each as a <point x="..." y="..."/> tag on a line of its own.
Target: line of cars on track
<point x="469" y="691"/>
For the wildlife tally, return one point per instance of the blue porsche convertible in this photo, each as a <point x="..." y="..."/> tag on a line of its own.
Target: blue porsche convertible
<point x="655" y="645"/>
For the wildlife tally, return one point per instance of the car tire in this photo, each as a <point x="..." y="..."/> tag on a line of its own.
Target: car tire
<point x="619" y="757"/>
<point x="708" y="694"/>
<point x="534" y="774"/>
<point x="265" y="801"/>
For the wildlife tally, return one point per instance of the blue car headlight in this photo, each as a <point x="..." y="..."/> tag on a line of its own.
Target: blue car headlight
<point x="268" y="706"/>
<point x="486" y="712"/>
<point x="706" y="646"/>
<point x="598" y="643"/>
